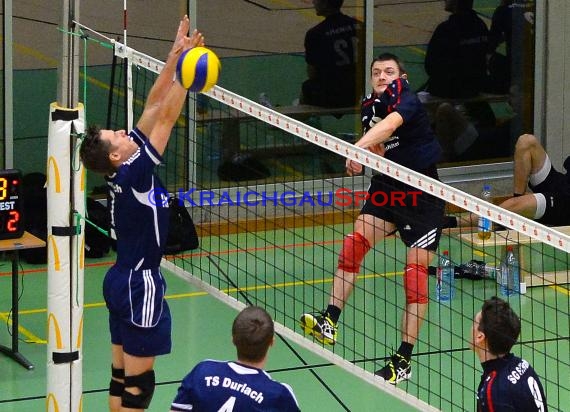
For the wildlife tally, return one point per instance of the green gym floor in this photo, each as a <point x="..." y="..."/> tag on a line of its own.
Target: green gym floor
<point x="318" y="385"/>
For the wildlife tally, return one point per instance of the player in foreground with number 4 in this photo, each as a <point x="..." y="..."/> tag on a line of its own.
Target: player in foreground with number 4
<point x="508" y="383"/>
<point x="134" y="289"/>
<point x="241" y="386"/>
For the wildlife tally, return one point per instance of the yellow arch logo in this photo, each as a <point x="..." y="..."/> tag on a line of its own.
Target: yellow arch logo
<point x="80" y="333"/>
<point x="82" y="253"/>
<point x="56" y="262"/>
<point x="83" y="178"/>
<point x="53" y="162"/>
<point x="49" y="399"/>
<point x="57" y="331"/>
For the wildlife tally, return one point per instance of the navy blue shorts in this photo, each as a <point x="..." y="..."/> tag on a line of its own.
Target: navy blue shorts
<point x="417" y="215"/>
<point x="139" y="317"/>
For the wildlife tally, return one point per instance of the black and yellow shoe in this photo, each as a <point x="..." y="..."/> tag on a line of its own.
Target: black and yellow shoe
<point x="398" y="369"/>
<point x="320" y="326"/>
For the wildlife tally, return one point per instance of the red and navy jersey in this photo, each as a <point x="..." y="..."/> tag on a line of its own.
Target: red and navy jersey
<point x="414" y="144"/>
<point x="510" y="384"/>
<point x="230" y="386"/>
<point x="139" y="208"/>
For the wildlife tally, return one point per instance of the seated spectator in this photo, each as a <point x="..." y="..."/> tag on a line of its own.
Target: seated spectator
<point x="211" y="385"/>
<point x="334" y="54"/>
<point x="550" y="201"/>
<point x="456" y="57"/>
<point x="461" y="141"/>
<point x="508" y="382"/>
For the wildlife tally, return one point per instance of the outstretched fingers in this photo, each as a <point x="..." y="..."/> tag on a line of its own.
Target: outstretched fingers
<point x="196" y="39"/>
<point x="183" y="28"/>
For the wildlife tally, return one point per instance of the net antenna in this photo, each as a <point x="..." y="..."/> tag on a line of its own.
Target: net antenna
<point x="292" y="273"/>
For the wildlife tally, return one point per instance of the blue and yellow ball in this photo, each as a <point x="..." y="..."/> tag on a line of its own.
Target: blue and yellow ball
<point x="198" y="69"/>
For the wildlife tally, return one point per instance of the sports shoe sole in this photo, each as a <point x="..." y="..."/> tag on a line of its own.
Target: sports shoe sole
<point x="399" y="379"/>
<point x="308" y="323"/>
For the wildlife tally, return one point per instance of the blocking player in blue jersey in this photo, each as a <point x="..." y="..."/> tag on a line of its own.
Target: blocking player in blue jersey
<point x="134" y="288"/>
<point x="508" y="382"/>
<point x="241" y="386"/>
<point x="396" y="126"/>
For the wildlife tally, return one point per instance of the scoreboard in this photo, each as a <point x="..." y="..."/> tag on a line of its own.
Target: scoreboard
<point x="11" y="225"/>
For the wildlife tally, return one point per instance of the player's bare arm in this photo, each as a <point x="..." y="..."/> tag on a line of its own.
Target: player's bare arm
<point x="381" y="131"/>
<point x="159" y="91"/>
<point x="373" y="140"/>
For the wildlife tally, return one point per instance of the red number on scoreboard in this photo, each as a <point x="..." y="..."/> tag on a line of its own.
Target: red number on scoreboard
<point x="12" y="224"/>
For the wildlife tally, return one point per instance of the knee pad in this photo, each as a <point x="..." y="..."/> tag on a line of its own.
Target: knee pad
<point x="354" y="248"/>
<point x="145" y="382"/>
<point x="416" y="283"/>
<point x="116" y="388"/>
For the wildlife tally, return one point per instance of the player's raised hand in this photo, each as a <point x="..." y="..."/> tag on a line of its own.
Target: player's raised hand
<point x="183" y="29"/>
<point x="196" y="39"/>
<point x="183" y="41"/>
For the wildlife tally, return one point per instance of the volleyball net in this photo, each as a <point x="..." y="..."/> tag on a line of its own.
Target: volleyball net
<point x="272" y="206"/>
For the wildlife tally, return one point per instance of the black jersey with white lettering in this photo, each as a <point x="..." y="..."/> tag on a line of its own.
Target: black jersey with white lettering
<point x="334" y="49"/>
<point x="139" y="208"/>
<point x="230" y="386"/>
<point x="510" y="384"/>
<point x="414" y="144"/>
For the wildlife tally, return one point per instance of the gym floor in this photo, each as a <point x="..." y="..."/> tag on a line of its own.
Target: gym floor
<point x="317" y="384"/>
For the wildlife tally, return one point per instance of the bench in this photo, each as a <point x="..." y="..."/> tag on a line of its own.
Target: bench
<point x="548" y="269"/>
<point x="232" y="121"/>
<point x="230" y="128"/>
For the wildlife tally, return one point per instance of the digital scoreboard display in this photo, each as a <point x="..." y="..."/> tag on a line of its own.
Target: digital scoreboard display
<point x="11" y="225"/>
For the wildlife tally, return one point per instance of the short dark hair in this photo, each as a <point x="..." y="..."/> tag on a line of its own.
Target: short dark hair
<point x="94" y="151"/>
<point x="389" y="56"/>
<point x="500" y="324"/>
<point x="335" y="4"/>
<point x="252" y="333"/>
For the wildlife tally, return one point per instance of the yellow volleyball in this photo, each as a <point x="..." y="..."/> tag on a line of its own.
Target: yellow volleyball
<point x="198" y="69"/>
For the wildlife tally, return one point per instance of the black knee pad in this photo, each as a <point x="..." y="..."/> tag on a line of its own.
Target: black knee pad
<point x="145" y="382"/>
<point x="117" y="388"/>
<point x="117" y="373"/>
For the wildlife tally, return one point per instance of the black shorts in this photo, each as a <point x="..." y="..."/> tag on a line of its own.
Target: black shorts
<point x="556" y="189"/>
<point x="418" y="216"/>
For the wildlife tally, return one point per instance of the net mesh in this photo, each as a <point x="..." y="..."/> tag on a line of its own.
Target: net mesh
<point x="272" y="208"/>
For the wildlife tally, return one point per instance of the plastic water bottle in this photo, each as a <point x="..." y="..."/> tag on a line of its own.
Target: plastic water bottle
<point x="509" y="275"/>
<point x="484" y="225"/>
<point x="445" y="288"/>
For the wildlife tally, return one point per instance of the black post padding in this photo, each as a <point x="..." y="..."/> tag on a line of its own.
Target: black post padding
<point x="66" y="115"/>
<point x="65" y="231"/>
<point x="64" y="357"/>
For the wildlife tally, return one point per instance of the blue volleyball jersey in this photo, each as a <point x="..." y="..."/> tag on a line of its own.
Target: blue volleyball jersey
<point x="510" y="384"/>
<point x="139" y="208"/>
<point x="230" y="386"/>
<point x="414" y="144"/>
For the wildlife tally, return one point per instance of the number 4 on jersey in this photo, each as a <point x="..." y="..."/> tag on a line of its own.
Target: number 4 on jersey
<point x="229" y="405"/>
